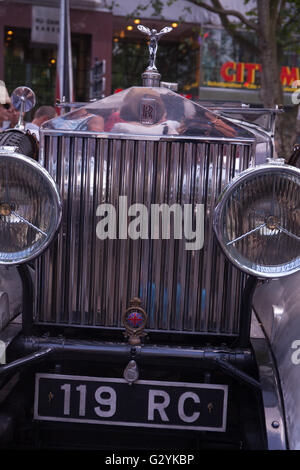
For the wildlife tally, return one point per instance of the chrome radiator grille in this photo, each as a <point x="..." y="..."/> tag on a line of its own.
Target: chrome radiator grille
<point x="87" y="281"/>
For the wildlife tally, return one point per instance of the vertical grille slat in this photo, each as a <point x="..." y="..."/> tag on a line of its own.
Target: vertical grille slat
<point x="182" y="313"/>
<point x="62" y="178"/>
<point x="87" y="281"/>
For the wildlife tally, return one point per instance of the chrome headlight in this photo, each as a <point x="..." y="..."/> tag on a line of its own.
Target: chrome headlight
<point x="257" y="220"/>
<point x="30" y="208"/>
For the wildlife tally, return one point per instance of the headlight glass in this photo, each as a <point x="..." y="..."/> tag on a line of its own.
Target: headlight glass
<point x="257" y="221"/>
<point x="30" y="208"/>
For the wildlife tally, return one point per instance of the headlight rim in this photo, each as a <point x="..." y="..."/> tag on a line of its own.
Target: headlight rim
<point x="10" y="152"/>
<point x="278" y="166"/>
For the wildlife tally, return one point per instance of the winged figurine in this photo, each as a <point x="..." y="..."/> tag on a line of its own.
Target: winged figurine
<point x="153" y="43"/>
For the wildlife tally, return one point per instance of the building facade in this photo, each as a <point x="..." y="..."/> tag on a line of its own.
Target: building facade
<point x="31" y="60"/>
<point x="99" y="30"/>
<point x="198" y="54"/>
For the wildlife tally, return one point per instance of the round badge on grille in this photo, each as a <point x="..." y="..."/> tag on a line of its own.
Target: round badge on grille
<point x="134" y="319"/>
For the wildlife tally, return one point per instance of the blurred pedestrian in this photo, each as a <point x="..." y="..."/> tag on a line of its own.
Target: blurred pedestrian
<point x="14" y="116"/>
<point x="4" y="116"/>
<point x="42" y="114"/>
<point x="4" y="106"/>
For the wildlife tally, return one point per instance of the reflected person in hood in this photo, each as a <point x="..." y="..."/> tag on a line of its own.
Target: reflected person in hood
<point x="144" y="112"/>
<point x="79" y="120"/>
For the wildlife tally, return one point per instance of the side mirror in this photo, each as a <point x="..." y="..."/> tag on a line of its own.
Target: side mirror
<point x="23" y="100"/>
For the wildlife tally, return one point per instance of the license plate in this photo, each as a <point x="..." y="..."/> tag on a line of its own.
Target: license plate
<point x="145" y="404"/>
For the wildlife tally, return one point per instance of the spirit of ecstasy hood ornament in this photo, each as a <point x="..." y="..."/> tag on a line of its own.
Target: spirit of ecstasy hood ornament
<point x="151" y="76"/>
<point x="153" y="43"/>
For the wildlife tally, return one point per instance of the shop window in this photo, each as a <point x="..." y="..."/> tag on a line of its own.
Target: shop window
<point x="35" y="65"/>
<point x="224" y="62"/>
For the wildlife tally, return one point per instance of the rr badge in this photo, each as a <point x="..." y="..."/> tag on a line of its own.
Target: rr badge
<point x="148" y="111"/>
<point x="134" y="319"/>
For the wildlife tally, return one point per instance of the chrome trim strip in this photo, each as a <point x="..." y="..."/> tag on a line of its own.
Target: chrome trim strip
<point x="98" y="135"/>
<point x="271" y="390"/>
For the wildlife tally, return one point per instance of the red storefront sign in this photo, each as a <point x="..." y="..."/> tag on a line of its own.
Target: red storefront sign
<point x="240" y="72"/>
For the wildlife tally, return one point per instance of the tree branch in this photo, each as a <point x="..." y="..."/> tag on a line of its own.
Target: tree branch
<point x="237" y="35"/>
<point x="218" y="9"/>
<point x="290" y="43"/>
<point x="292" y="21"/>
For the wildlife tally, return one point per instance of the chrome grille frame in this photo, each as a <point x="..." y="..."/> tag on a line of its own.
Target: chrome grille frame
<point x="73" y="288"/>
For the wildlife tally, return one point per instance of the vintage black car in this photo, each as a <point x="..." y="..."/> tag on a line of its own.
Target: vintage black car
<point x="156" y="245"/>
